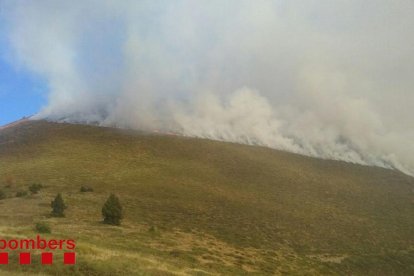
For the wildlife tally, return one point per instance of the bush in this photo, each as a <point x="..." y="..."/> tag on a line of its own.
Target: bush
<point x="58" y="206"/>
<point x="2" y="194"/>
<point x="35" y="188"/>
<point x="112" y="211"/>
<point x="21" y="194"/>
<point x="43" y="227"/>
<point x="9" y="180"/>
<point x="85" y="189"/>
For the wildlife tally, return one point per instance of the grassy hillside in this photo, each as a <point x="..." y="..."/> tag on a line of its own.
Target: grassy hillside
<point x="195" y="206"/>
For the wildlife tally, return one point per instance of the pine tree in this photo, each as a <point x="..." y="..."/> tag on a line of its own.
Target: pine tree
<point x="58" y="206"/>
<point x="112" y="210"/>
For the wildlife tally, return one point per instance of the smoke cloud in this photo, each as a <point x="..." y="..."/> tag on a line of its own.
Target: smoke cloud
<point x="332" y="79"/>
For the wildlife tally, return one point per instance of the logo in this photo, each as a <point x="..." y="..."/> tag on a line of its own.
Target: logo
<point x="47" y="248"/>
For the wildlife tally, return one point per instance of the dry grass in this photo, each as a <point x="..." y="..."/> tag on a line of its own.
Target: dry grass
<point x="199" y="207"/>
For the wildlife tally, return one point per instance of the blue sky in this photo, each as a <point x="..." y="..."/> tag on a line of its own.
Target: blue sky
<point x="22" y="93"/>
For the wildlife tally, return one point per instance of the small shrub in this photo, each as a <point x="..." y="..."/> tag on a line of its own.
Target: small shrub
<point x="9" y="180"/>
<point x="176" y="253"/>
<point x="112" y="211"/>
<point x="35" y="188"/>
<point x="2" y="194"/>
<point x="43" y="227"/>
<point x="58" y="206"/>
<point x="21" y="194"/>
<point x="85" y="189"/>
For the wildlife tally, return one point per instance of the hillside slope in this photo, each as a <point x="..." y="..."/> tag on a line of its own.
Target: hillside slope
<point x="195" y="206"/>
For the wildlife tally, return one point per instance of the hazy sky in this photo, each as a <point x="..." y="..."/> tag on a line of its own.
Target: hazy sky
<point x="21" y="92"/>
<point x="332" y="79"/>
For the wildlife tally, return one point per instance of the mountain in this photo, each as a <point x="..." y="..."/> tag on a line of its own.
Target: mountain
<point x="200" y="207"/>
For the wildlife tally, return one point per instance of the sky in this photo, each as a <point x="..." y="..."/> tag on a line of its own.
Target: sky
<point x="332" y="79"/>
<point x="21" y="93"/>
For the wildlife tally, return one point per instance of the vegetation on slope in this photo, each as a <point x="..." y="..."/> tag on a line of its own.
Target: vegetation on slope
<point x="194" y="206"/>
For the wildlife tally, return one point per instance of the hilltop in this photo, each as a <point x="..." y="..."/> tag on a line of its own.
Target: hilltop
<point x="196" y="206"/>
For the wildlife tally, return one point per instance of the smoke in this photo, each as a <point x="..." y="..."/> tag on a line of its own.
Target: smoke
<point x="332" y="79"/>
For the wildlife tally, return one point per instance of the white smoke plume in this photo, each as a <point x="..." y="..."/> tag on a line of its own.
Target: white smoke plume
<point x="332" y="79"/>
